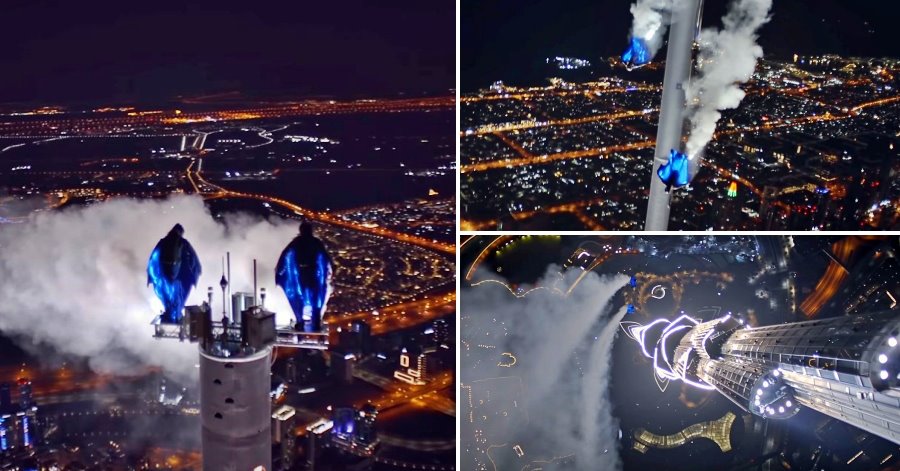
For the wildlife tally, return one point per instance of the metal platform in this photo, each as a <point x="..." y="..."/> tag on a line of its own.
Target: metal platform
<point x="287" y="338"/>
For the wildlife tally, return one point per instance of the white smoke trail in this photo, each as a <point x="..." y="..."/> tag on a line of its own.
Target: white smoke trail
<point x="597" y="424"/>
<point x="729" y="58"/>
<point x="576" y="315"/>
<point x="567" y="413"/>
<point x="649" y="22"/>
<point x="76" y="280"/>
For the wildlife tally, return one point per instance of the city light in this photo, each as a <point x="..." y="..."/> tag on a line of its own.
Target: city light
<point x="732" y="189"/>
<point x="594" y="173"/>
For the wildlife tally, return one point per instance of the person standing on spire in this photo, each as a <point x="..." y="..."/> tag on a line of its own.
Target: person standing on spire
<point x="173" y="270"/>
<point x="304" y="273"/>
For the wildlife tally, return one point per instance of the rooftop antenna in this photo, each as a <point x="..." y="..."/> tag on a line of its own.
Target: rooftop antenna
<point x="234" y="363"/>
<point x="254" y="282"/>
<point x="224" y="284"/>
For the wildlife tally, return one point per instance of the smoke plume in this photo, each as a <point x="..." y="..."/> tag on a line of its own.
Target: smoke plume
<point x="649" y="22"/>
<point x="728" y="58"/>
<point x="76" y="280"/>
<point x="563" y="347"/>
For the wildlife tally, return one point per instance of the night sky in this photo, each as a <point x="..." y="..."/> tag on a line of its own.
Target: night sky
<point x="103" y="50"/>
<point x="502" y="37"/>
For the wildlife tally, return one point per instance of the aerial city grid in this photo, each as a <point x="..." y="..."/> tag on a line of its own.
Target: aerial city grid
<point x="781" y="131"/>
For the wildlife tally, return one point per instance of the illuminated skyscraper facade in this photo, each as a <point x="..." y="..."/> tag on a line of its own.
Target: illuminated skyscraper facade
<point x="845" y="367"/>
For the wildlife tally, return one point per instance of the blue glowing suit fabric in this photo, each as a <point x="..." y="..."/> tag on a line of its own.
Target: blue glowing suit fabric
<point x="304" y="273"/>
<point x="674" y="173"/>
<point x="173" y="270"/>
<point x="637" y="54"/>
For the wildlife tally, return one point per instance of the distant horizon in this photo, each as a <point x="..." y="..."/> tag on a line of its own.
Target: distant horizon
<point x="500" y="39"/>
<point x="239" y="97"/>
<point x="633" y="75"/>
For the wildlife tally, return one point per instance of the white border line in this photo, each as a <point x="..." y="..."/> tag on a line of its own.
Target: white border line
<point x="458" y="238"/>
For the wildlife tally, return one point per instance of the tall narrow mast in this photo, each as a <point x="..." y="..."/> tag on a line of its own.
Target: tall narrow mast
<point x="672" y="106"/>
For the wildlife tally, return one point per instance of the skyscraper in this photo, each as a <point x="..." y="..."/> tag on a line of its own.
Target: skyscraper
<point x="342" y="365"/>
<point x="845" y="367"/>
<point x="283" y="422"/>
<point x="354" y="429"/>
<point x="25" y="397"/>
<point x="357" y="339"/>
<point x="442" y="333"/>
<point x="5" y="425"/>
<point x="317" y="435"/>
<point x="366" y="425"/>
<point x="235" y="406"/>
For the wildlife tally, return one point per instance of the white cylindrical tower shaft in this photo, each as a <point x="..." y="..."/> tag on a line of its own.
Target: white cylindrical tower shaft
<point x="672" y="107"/>
<point x="236" y="411"/>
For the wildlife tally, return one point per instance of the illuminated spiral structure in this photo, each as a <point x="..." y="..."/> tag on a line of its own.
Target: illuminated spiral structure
<point x="845" y="367"/>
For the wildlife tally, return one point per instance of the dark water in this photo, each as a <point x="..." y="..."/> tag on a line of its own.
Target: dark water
<point x="374" y="146"/>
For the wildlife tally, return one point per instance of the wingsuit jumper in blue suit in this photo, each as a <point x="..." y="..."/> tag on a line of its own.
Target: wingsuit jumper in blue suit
<point x="173" y="270"/>
<point x="304" y="273"/>
<point x="674" y="173"/>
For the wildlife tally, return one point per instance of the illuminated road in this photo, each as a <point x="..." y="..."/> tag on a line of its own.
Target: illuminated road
<point x="402" y="316"/>
<point x="64" y="381"/>
<point x="544" y="92"/>
<point x="834" y="276"/>
<point x="398" y="393"/>
<point x="513" y="145"/>
<point x="602" y="151"/>
<point x="485" y="252"/>
<point x="493" y="128"/>
<point x="575" y="208"/>
<point x="547" y="158"/>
